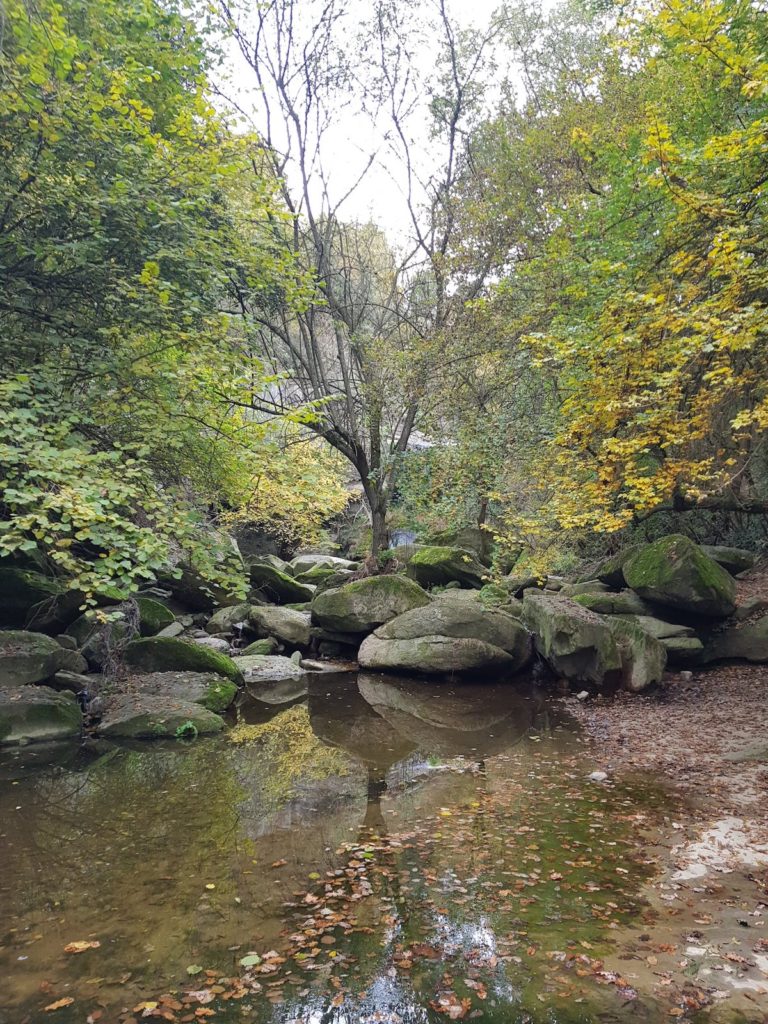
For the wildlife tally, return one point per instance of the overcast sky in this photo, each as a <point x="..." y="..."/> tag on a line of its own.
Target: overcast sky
<point x="379" y="197"/>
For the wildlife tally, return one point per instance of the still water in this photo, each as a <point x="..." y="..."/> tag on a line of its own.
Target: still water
<point x="372" y="849"/>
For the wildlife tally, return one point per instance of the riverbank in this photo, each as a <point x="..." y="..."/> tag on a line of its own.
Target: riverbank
<point x="704" y="736"/>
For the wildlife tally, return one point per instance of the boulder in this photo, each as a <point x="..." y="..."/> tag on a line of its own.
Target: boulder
<point x="517" y="585"/>
<point x="102" y="642"/>
<point x="191" y="589"/>
<point x="152" y="716"/>
<point x="281" y="691"/>
<point x="153" y="616"/>
<point x="75" y="681"/>
<point x="207" y="689"/>
<point x="290" y="626"/>
<point x="584" y="587"/>
<point x="363" y="605"/>
<point x="643" y="657"/>
<point x="175" y="629"/>
<point x="225" y="619"/>
<point x="461" y="619"/>
<point x="470" y="538"/>
<point x="265" y="669"/>
<point x="28" y="657"/>
<point x="28" y="598"/>
<point x="212" y="643"/>
<point x="733" y="560"/>
<point x="683" y="651"/>
<point x="626" y="602"/>
<point x="574" y="641"/>
<point x="658" y="628"/>
<point x="302" y="564"/>
<point x="743" y="640"/>
<point x="266" y="646"/>
<point x="435" y="566"/>
<point x="72" y="661"/>
<point x="169" y="654"/>
<point x="436" y="655"/>
<point x="611" y="570"/>
<point x="675" y="572"/>
<point x="277" y="586"/>
<point x="751" y="607"/>
<point x="36" y="714"/>
<point x="321" y="573"/>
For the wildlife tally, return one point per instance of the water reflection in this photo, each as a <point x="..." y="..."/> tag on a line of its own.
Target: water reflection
<point x="418" y="815"/>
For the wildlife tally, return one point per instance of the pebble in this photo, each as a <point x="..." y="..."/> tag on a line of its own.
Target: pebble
<point x="598" y="776"/>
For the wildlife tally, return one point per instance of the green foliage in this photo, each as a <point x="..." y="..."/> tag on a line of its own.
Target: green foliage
<point x="128" y="207"/>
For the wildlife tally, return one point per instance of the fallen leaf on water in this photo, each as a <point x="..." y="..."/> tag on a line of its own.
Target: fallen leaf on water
<point x="338" y="1000"/>
<point x="252" y="960"/>
<point x="279" y="863"/>
<point x="66" y="1001"/>
<point x="194" y="969"/>
<point x="80" y="947"/>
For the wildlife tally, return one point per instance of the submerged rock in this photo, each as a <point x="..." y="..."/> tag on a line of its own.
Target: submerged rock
<point x="168" y="654"/>
<point x="30" y="714"/>
<point x="674" y="571"/>
<point x="207" y="689"/>
<point x="146" y="716"/>
<point x="574" y="641"/>
<point x="27" y="657"/>
<point x="437" y="566"/>
<point x="363" y="605"/>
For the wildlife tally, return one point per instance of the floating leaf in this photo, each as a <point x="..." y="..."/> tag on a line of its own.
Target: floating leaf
<point x="194" y="969"/>
<point x="252" y="960"/>
<point x="66" y="1001"/>
<point x="80" y="947"/>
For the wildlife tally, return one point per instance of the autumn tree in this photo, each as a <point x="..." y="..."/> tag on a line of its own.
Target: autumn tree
<point x="368" y="341"/>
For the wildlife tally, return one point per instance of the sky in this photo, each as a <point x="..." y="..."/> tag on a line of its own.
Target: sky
<point x="349" y="143"/>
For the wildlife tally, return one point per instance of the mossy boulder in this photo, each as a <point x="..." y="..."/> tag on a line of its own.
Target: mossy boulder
<point x="363" y="605"/>
<point x="675" y="572"/>
<point x="303" y="564"/>
<point x="30" y="599"/>
<point x="733" y="560"/>
<point x="169" y="654"/>
<point x="225" y="619"/>
<point x="469" y="538"/>
<point x="435" y="566"/>
<point x="290" y="626"/>
<point x="31" y="714"/>
<point x="611" y="570"/>
<point x="268" y="645"/>
<point x="626" y="602"/>
<point x="434" y="655"/>
<point x="153" y="615"/>
<point x="643" y="657"/>
<point x="190" y="588"/>
<point x="660" y="629"/>
<point x="461" y="620"/>
<point x="574" y="641"/>
<point x="27" y="657"/>
<point x="147" y="717"/>
<point x="276" y="586"/>
<point x="211" y="691"/>
<point x="319" y="573"/>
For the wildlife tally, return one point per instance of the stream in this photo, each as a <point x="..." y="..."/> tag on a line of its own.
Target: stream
<point x="373" y="849"/>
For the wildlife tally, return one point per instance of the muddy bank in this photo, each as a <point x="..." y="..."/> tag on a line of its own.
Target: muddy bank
<point x="703" y="942"/>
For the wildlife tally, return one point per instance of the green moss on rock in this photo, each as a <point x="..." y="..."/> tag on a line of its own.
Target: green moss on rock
<point x="168" y="654"/>
<point x="361" y="606"/>
<point x="27" y="657"/>
<point x="436" y="566"/>
<point x="36" y="713"/>
<point x="674" y="571"/>
<point x="153" y="616"/>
